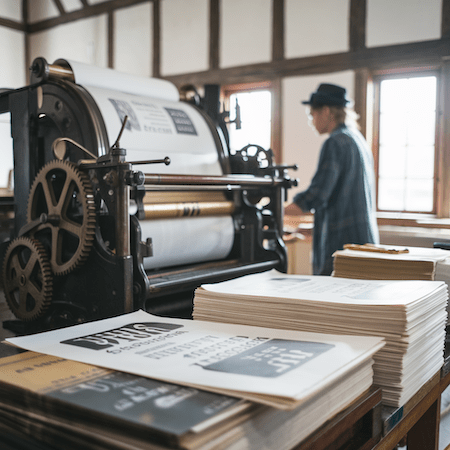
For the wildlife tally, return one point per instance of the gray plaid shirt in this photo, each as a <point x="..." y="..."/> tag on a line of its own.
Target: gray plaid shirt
<point x="342" y="197"/>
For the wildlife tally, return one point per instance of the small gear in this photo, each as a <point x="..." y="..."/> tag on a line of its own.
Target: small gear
<point x="64" y="195"/>
<point x="27" y="279"/>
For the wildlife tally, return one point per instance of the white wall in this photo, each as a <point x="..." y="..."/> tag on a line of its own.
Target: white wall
<point x="12" y="75"/>
<point x="245" y="32"/>
<point x="184" y="35"/>
<point x="12" y="48"/>
<point x="134" y="28"/>
<point x="11" y="9"/>
<point x="315" y="27"/>
<point x="12" y="57"/>
<point x="401" y="21"/>
<point x="84" y="41"/>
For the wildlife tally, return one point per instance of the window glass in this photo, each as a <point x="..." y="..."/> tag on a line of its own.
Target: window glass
<point x="6" y="151"/>
<point x="255" y="108"/>
<point x="406" y="147"/>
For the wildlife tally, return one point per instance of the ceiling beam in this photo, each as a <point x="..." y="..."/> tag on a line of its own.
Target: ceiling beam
<point x="418" y="53"/>
<point x="12" y="24"/>
<point x="86" y="12"/>
<point x="60" y="7"/>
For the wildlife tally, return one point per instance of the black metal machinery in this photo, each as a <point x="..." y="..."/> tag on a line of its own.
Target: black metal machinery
<point x="78" y="251"/>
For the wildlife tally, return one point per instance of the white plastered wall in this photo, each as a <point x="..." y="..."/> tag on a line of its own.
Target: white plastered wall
<point x="12" y="75"/>
<point x="245" y="32"/>
<point x="184" y="36"/>
<point x="401" y="21"/>
<point x="316" y="27"/>
<point x="83" y="41"/>
<point x="133" y="31"/>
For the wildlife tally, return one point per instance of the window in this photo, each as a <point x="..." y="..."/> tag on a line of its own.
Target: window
<point x="7" y="152"/>
<point x="257" y="105"/>
<point x="255" y="109"/>
<point x="406" y="147"/>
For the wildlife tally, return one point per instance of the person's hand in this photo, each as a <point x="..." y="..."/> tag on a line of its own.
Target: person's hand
<point x="293" y="210"/>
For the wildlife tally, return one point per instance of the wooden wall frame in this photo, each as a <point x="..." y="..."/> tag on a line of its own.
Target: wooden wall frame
<point x="358" y="58"/>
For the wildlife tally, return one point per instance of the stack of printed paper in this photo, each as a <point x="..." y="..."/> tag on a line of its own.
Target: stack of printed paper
<point x="410" y="315"/>
<point x="303" y="378"/>
<point x="387" y="262"/>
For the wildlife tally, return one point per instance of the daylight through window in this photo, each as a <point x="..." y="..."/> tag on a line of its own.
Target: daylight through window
<point x="407" y="144"/>
<point x="256" y="127"/>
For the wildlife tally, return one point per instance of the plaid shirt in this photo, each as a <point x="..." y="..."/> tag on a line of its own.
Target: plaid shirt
<point x="342" y="197"/>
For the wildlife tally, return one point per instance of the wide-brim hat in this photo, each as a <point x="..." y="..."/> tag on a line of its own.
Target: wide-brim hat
<point x="328" y="95"/>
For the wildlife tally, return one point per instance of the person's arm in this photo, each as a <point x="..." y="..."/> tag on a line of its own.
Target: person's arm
<point x="324" y="180"/>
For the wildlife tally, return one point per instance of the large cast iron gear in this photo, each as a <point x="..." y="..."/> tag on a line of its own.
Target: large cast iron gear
<point x="61" y="202"/>
<point x="27" y="279"/>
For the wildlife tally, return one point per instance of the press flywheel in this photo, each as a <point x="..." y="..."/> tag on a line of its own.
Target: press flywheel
<point x="27" y="279"/>
<point x="61" y="207"/>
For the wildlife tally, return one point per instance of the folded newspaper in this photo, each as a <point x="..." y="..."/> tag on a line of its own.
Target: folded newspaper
<point x="279" y="368"/>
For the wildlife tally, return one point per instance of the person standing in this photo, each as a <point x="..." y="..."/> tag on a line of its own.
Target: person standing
<point x="342" y="192"/>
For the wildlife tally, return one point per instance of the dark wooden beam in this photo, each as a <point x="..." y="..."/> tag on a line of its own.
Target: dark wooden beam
<point x="84" y="2"/>
<point x="418" y="53"/>
<point x="12" y="24"/>
<point x="156" y="63"/>
<point x="214" y="33"/>
<point x="60" y="7"/>
<point x="277" y="30"/>
<point x="111" y="34"/>
<point x="27" y="52"/>
<point x="443" y="166"/>
<point x="445" y="24"/>
<point x="357" y="34"/>
<point x="277" y="121"/>
<point x="362" y="78"/>
<point x="87" y="11"/>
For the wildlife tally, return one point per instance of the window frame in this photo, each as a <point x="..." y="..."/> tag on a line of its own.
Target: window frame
<point x="441" y="179"/>
<point x="274" y="86"/>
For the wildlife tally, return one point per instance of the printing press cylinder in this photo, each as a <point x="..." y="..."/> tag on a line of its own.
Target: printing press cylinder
<point x="158" y="125"/>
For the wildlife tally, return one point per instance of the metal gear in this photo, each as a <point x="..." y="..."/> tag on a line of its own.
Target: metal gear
<point x="63" y="195"/>
<point x="27" y="279"/>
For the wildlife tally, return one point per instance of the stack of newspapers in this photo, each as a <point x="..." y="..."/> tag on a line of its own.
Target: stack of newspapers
<point x="387" y="262"/>
<point x="188" y="384"/>
<point x="410" y="315"/>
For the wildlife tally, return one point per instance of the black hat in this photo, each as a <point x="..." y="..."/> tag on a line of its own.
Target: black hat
<point x="328" y="94"/>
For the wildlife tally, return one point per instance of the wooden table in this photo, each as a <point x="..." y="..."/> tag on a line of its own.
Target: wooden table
<point x="364" y="425"/>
